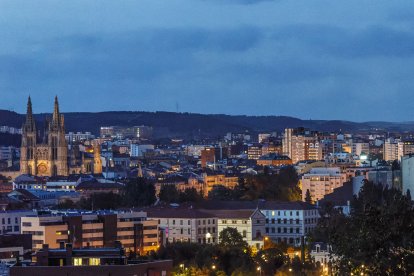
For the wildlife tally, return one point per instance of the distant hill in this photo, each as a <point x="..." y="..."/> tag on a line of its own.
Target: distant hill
<point x="188" y="125"/>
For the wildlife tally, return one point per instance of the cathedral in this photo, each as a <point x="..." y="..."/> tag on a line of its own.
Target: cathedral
<point x="50" y="156"/>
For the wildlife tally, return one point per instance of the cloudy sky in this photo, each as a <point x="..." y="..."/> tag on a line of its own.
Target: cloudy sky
<point x="350" y="60"/>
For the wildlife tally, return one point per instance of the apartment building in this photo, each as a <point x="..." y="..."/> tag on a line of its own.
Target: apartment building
<point x="136" y="233"/>
<point x="390" y="150"/>
<point x="301" y="144"/>
<point x="185" y="224"/>
<point x="289" y="222"/>
<point x="322" y="181"/>
<point x="10" y="220"/>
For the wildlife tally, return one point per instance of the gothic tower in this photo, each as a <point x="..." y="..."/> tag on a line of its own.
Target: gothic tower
<point x="29" y="142"/>
<point x="58" y="148"/>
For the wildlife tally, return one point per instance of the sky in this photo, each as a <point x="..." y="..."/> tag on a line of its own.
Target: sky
<point x="348" y="60"/>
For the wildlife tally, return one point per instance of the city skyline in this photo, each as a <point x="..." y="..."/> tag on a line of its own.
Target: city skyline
<point x="345" y="61"/>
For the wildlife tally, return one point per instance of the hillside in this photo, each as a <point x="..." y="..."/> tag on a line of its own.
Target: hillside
<point x="187" y="125"/>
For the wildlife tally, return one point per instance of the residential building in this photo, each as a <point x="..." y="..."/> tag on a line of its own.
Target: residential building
<point x="391" y="150"/>
<point x="10" y="220"/>
<point x="254" y="151"/>
<point x="182" y="224"/>
<point x="301" y="144"/>
<point x="136" y="233"/>
<point x="13" y="247"/>
<point x="274" y="160"/>
<point x="67" y="260"/>
<point x="138" y="150"/>
<point x="249" y="223"/>
<point x="407" y="167"/>
<point x="322" y="181"/>
<point x="289" y="222"/>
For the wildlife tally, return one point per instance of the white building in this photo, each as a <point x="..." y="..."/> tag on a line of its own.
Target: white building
<point x="137" y="150"/>
<point x="185" y="225"/>
<point x="322" y="181"/>
<point x="407" y="167"/>
<point x="322" y="253"/>
<point x="10" y="220"/>
<point x="289" y="222"/>
<point x="250" y="224"/>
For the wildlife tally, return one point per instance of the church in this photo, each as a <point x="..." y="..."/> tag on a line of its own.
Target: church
<point x="49" y="155"/>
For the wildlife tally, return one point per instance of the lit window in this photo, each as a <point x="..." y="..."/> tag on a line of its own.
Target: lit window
<point x="95" y="261"/>
<point x="77" y="261"/>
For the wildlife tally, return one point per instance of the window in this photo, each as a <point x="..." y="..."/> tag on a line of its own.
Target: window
<point x="16" y="220"/>
<point x="273" y="229"/>
<point x="267" y="230"/>
<point x="244" y="233"/>
<point x="173" y="221"/>
<point x="297" y="213"/>
<point x="27" y="224"/>
<point x="279" y="221"/>
<point x="77" y="261"/>
<point x="94" y="261"/>
<point x="279" y="230"/>
<point x="273" y="221"/>
<point x="189" y="222"/>
<point x="181" y="222"/>
<point x="297" y="221"/>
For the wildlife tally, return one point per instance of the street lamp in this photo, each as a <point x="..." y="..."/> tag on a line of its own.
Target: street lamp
<point x="213" y="267"/>
<point x="260" y="270"/>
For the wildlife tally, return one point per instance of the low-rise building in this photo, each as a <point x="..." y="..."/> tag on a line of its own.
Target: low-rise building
<point x="136" y="234"/>
<point x="185" y="224"/>
<point x="249" y="223"/>
<point x="275" y="160"/>
<point x="289" y="222"/>
<point x="10" y="220"/>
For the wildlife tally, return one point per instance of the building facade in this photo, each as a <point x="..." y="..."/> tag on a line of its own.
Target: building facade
<point x="49" y="158"/>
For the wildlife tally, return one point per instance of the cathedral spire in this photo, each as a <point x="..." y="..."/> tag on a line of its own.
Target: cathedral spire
<point x="56" y="114"/>
<point x="29" y="115"/>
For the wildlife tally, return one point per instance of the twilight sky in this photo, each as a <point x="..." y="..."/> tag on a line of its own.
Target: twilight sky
<point x="350" y="60"/>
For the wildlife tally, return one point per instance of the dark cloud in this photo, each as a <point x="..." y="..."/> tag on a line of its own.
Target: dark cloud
<point x="325" y="60"/>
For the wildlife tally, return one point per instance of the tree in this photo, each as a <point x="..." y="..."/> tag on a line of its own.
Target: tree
<point x="308" y="197"/>
<point x="138" y="192"/>
<point x="219" y="192"/>
<point x="378" y="235"/>
<point x="66" y="204"/>
<point x="230" y="237"/>
<point x="190" y="195"/>
<point x="270" y="260"/>
<point x="169" y="194"/>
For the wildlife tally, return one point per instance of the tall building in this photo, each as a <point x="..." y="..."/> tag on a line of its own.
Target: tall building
<point x="49" y="157"/>
<point x="390" y="150"/>
<point x="301" y="144"/>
